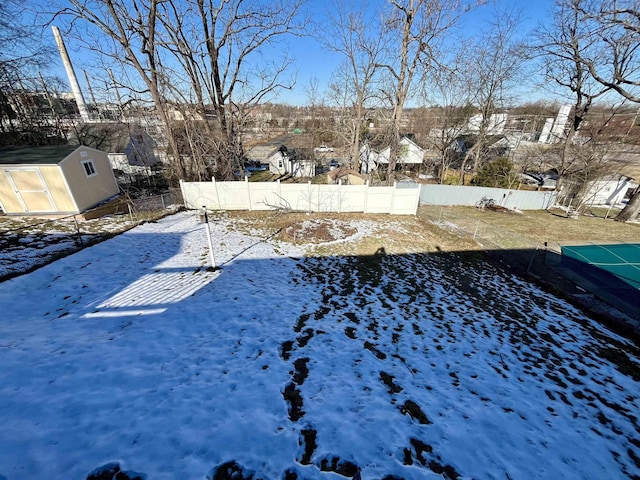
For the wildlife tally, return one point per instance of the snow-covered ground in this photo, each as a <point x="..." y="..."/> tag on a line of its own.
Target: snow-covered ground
<point x="405" y="366"/>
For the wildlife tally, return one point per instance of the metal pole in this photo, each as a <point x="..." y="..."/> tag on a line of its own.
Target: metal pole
<point x="78" y="230"/>
<point x="476" y="232"/>
<point x="532" y="258"/>
<point x="208" y="229"/>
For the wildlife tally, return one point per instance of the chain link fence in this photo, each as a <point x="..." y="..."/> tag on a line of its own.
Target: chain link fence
<point x="27" y="243"/>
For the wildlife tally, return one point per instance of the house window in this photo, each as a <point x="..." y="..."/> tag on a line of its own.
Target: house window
<point x="89" y="168"/>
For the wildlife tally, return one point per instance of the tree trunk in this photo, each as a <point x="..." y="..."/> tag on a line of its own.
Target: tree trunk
<point x="631" y="211"/>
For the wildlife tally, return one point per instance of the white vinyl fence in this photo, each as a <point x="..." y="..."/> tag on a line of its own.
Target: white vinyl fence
<point x="451" y="195"/>
<point x="400" y="199"/>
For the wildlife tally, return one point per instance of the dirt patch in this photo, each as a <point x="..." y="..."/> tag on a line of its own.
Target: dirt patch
<point x="302" y="371"/>
<point x="379" y="354"/>
<point x="412" y="409"/>
<point x="309" y="445"/>
<point x="292" y="396"/>
<point x="317" y="231"/>
<point x="332" y="463"/>
<point x="351" y="333"/>
<point x="285" y="349"/>
<point x="230" y="471"/>
<point x="388" y="381"/>
<point x="393" y="234"/>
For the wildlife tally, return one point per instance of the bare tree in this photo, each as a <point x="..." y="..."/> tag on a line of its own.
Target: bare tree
<point x="416" y="29"/>
<point x="616" y="25"/>
<point x="561" y="46"/>
<point x="201" y="53"/>
<point x="314" y="103"/>
<point x="614" y="64"/>
<point x="218" y="46"/>
<point x="494" y="68"/>
<point x="358" y="37"/>
<point x="591" y="50"/>
<point x="449" y="91"/>
<point x="131" y="31"/>
<point x="24" y="102"/>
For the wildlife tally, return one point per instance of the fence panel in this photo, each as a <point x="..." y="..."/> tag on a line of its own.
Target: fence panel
<point x="297" y="196"/>
<point x="200" y="194"/>
<point x="354" y="199"/>
<point x="457" y="195"/>
<point x="406" y="197"/>
<point x="402" y="200"/>
<point x="265" y="196"/>
<point x="379" y="200"/>
<point x="233" y="195"/>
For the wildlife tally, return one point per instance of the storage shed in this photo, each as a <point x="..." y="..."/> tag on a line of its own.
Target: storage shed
<point x="56" y="180"/>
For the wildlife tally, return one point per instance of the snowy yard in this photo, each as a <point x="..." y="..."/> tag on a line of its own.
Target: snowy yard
<point x="411" y="366"/>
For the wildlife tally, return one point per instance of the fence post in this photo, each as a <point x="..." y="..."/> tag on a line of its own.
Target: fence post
<point x="415" y="211"/>
<point x="75" y="220"/>
<point x="215" y="187"/>
<point x="476" y="231"/>
<point x="183" y="193"/>
<point x="279" y="191"/>
<point x="531" y="261"/>
<point x="246" y="181"/>
<point x="393" y="197"/>
<point x="366" y="196"/>
<point x="340" y="195"/>
<point x="309" y="195"/>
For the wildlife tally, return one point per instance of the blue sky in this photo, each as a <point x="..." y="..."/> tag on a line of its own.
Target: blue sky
<point x="312" y="60"/>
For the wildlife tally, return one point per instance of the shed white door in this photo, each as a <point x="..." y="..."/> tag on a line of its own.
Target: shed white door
<point x="31" y="190"/>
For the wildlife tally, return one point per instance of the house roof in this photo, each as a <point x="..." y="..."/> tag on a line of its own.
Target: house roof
<point x="262" y="153"/>
<point x="108" y="137"/>
<point x="381" y="146"/>
<point x="37" y="155"/>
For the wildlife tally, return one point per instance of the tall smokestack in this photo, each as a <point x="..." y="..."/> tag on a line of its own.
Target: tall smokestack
<point x="73" y="81"/>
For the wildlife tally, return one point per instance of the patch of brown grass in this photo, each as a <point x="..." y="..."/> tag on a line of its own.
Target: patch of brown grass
<point x="532" y="227"/>
<point x="335" y="234"/>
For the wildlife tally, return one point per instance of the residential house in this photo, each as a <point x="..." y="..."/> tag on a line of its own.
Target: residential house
<point x="131" y="150"/>
<point x="54" y="179"/>
<point x="608" y="190"/>
<point x="274" y="155"/>
<point x="409" y="154"/>
<point x="282" y="161"/>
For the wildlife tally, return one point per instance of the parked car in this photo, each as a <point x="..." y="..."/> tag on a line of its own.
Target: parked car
<point x="323" y="149"/>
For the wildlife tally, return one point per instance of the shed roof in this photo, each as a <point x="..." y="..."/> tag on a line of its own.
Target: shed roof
<point x="343" y="171"/>
<point x="37" y="155"/>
